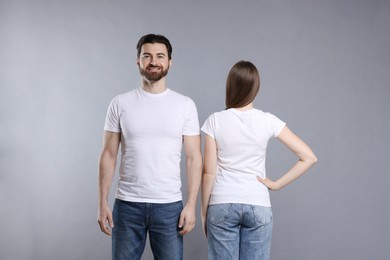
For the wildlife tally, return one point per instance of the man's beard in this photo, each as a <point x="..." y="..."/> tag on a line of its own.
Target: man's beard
<point x="154" y="76"/>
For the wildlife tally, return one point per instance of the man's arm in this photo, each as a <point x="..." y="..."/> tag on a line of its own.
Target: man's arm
<point x="107" y="164"/>
<point x="194" y="177"/>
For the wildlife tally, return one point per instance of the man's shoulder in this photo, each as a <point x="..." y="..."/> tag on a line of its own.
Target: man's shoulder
<point x="125" y="95"/>
<point x="180" y="97"/>
<point x="129" y="93"/>
<point x="176" y="94"/>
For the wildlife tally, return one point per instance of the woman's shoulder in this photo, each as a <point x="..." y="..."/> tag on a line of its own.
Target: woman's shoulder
<point x="221" y="114"/>
<point x="265" y="114"/>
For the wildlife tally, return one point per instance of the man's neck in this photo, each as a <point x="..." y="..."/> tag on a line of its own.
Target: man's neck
<point x="156" y="87"/>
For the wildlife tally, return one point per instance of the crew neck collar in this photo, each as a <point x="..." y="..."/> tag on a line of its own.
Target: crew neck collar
<point x="242" y="111"/>
<point x="145" y="93"/>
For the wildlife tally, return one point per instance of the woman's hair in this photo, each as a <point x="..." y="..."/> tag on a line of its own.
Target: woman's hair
<point x="154" y="38"/>
<point x="242" y="85"/>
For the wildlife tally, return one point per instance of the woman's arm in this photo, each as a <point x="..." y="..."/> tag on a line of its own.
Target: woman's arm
<point x="305" y="155"/>
<point x="209" y="171"/>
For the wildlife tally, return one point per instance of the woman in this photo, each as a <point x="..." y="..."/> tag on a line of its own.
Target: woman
<point x="236" y="209"/>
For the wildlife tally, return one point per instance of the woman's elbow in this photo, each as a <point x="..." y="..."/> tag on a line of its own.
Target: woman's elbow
<point x="312" y="159"/>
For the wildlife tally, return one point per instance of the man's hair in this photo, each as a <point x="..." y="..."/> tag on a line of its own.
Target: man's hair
<point x="242" y="85"/>
<point x="154" y="38"/>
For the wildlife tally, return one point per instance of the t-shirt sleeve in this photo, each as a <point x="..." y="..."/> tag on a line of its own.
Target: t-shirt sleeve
<point x="191" y="126"/>
<point x="276" y="125"/>
<point x="112" y="123"/>
<point x="209" y="126"/>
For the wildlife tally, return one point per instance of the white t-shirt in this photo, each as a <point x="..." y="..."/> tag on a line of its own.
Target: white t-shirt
<point x="241" y="138"/>
<point x="152" y="128"/>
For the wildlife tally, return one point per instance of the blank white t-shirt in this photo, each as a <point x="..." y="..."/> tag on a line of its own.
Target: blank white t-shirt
<point x="152" y="128"/>
<point x="241" y="138"/>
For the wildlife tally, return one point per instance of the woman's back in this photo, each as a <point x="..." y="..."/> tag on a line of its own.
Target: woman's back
<point x="241" y="138"/>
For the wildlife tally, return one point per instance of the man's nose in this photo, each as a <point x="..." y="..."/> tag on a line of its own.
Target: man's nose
<point x="153" y="61"/>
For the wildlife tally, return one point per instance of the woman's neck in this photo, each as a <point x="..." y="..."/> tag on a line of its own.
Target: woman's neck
<point x="247" y="107"/>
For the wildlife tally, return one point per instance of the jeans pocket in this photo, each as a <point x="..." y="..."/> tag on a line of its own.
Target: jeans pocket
<point x="218" y="213"/>
<point x="263" y="215"/>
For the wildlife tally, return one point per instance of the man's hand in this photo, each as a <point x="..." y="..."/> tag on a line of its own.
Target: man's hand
<point x="105" y="220"/>
<point x="187" y="220"/>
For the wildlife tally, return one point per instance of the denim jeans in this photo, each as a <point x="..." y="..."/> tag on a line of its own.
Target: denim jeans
<point x="132" y="222"/>
<point x="239" y="231"/>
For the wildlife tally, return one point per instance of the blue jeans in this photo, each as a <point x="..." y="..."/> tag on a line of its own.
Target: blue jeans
<point x="239" y="231"/>
<point x="132" y="222"/>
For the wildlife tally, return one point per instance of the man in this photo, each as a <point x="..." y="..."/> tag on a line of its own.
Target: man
<point x="150" y="124"/>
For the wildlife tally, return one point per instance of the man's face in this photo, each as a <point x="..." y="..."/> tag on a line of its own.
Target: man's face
<point x="153" y="61"/>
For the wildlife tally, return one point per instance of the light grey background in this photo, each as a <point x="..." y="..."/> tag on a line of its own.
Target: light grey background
<point x="324" y="70"/>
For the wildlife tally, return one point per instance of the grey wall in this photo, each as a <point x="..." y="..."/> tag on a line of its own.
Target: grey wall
<point x="324" y="70"/>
